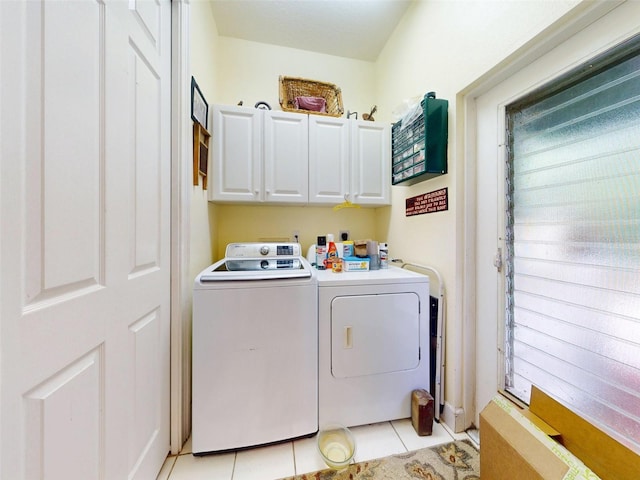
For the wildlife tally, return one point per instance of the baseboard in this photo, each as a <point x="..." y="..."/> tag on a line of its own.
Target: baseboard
<point x="453" y="417"/>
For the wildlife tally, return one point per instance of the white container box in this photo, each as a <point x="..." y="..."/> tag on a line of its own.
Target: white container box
<point x="355" y="264"/>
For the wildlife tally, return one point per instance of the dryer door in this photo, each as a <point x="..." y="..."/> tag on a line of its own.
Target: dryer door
<point x="374" y="334"/>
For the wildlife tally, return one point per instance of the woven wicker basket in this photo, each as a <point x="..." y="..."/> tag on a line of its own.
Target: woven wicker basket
<point x="292" y="87"/>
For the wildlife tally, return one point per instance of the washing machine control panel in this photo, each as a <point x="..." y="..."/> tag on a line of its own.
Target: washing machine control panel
<point x="287" y="250"/>
<point x="256" y="264"/>
<point x="263" y="250"/>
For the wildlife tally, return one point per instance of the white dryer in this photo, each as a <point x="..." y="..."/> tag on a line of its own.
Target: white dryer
<point x="373" y="344"/>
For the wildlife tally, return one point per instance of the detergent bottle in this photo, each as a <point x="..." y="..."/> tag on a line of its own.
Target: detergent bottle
<point x="332" y="251"/>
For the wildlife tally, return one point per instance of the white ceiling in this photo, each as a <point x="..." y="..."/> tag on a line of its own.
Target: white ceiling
<point x="347" y="28"/>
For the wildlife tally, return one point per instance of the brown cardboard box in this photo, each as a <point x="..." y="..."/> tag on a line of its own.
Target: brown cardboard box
<point x="548" y="441"/>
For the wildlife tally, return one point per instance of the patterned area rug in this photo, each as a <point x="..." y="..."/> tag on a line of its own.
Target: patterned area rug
<point x="451" y="461"/>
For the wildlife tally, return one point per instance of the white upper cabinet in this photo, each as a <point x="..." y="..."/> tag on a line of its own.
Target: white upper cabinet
<point x="282" y="157"/>
<point x="259" y="156"/>
<point x="328" y="160"/>
<point x="370" y="163"/>
<point x="286" y="150"/>
<point x="349" y="160"/>
<point x="236" y="173"/>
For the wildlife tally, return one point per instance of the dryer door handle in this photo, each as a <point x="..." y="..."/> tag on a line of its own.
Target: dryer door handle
<point x="348" y="337"/>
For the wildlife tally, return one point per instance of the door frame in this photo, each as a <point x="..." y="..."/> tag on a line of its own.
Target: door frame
<point x="181" y="176"/>
<point x="576" y="20"/>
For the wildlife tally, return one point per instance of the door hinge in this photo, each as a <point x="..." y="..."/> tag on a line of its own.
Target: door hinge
<point x="497" y="260"/>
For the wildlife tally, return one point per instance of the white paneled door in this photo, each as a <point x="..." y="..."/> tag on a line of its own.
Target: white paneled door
<point x="84" y="245"/>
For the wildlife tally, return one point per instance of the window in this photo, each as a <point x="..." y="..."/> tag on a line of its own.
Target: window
<point x="573" y="242"/>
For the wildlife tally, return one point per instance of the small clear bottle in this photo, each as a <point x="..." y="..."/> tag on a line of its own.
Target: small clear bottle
<point x="384" y="255"/>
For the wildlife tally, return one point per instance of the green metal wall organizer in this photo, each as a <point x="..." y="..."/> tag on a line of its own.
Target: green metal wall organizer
<point x="419" y="143"/>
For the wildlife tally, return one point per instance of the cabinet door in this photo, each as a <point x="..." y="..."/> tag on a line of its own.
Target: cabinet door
<point x="237" y="155"/>
<point x="328" y="160"/>
<point x="286" y="157"/>
<point x="370" y="163"/>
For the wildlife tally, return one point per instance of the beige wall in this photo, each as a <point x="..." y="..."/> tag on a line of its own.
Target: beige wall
<point x="440" y="46"/>
<point x="249" y="71"/>
<point x="204" y="51"/>
<point x="443" y="47"/>
<point x="253" y="224"/>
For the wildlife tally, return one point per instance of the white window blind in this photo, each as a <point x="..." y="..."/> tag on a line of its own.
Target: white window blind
<point x="573" y="242"/>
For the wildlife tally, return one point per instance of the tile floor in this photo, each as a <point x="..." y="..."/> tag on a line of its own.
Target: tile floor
<point x="299" y="456"/>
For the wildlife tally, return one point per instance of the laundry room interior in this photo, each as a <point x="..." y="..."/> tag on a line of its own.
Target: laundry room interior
<point x="445" y="49"/>
<point x="294" y="239"/>
<point x="232" y="71"/>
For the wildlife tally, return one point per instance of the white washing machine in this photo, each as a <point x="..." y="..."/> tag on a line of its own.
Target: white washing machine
<point x="255" y="349"/>
<point x="373" y="344"/>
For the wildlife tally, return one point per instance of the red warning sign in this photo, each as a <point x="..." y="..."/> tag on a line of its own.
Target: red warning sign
<point x="436" y="201"/>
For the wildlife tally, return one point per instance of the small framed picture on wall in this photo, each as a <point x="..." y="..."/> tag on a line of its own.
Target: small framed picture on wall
<point x="199" y="106"/>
